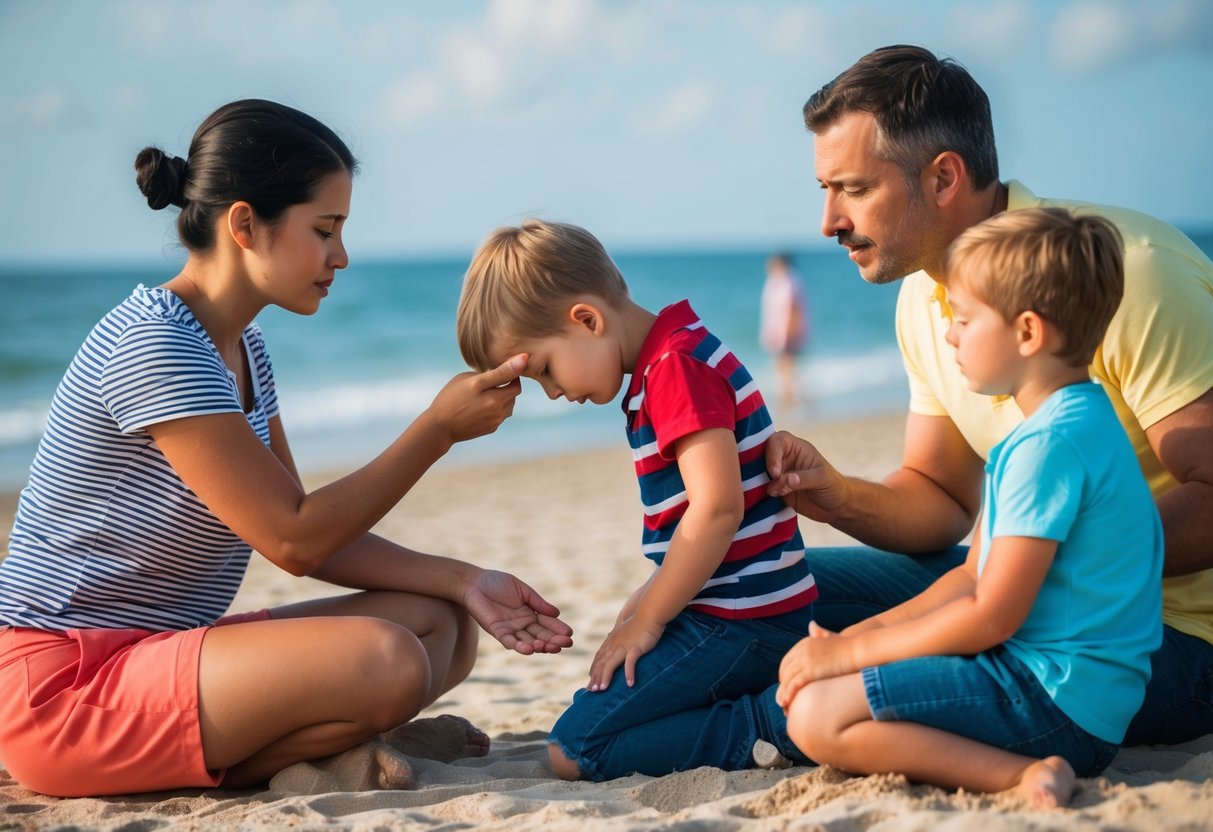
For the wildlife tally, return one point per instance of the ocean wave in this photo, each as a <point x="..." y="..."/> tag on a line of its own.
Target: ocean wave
<point x="350" y="405"/>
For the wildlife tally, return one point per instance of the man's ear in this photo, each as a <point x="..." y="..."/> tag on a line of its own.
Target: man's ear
<point x="944" y="176"/>
<point x="240" y="221"/>
<point x="1032" y="332"/>
<point x="588" y="316"/>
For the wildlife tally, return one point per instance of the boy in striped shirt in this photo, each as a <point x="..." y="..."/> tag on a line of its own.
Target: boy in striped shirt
<point x="700" y="641"/>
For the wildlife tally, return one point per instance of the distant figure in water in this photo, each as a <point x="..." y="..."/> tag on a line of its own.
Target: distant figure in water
<point x="784" y="329"/>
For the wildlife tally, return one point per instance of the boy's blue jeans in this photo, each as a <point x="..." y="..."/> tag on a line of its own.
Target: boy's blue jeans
<point x="702" y="697"/>
<point x="856" y="583"/>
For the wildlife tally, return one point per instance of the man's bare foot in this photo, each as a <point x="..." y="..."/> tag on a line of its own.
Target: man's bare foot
<point x="442" y="738"/>
<point x="1047" y="783"/>
<point x="365" y="767"/>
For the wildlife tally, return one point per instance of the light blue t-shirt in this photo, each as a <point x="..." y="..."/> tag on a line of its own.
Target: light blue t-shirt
<point x="1068" y="473"/>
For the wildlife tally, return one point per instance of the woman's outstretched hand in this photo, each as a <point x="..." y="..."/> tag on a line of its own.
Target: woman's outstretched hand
<point x="516" y="615"/>
<point x="475" y="404"/>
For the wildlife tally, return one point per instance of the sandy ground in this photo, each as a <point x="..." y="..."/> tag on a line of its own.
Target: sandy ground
<point x="570" y="527"/>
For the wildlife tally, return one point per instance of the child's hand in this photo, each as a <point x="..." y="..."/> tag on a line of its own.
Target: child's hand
<point x="622" y="646"/>
<point x="821" y="655"/>
<point x="475" y="404"/>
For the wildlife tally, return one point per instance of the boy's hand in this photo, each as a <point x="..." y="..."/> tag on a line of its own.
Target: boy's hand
<point x="622" y="646"/>
<point x="821" y="655"/>
<point x="475" y="404"/>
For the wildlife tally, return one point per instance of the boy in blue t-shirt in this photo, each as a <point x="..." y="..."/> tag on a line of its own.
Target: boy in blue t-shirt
<point x="1026" y="663"/>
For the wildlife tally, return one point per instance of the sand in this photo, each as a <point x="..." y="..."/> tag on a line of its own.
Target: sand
<point x="570" y="526"/>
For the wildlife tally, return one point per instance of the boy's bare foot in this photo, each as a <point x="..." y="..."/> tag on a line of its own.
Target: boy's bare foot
<point x="443" y="738"/>
<point x="1047" y="783"/>
<point x="365" y="767"/>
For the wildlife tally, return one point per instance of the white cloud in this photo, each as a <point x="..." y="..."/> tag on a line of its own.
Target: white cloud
<point x="478" y="69"/>
<point x="677" y="112"/>
<point x="993" y="29"/>
<point x="38" y="111"/>
<point x="233" y="30"/>
<point x="554" y="25"/>
<point x="794" y="30"/>
<point x="410" y="102"/>
<point x="1090" y="36"/>
<point x="499" y="64"/>
<point x="129" y="98"/>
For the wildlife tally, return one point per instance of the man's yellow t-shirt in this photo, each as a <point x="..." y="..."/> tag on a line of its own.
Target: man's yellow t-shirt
<point x="1156" y="357"/>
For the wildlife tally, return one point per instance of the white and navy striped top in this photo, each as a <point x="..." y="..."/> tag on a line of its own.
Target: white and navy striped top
<point x="106" y="534"/>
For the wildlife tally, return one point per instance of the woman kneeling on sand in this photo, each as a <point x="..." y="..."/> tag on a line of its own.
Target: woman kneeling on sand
<point x="165" y="463"/>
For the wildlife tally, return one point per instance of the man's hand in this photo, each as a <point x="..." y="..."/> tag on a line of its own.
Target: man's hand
<point x="622" y="646"/>
<point x="515" y="615"/>
<point x="804" y="479"/>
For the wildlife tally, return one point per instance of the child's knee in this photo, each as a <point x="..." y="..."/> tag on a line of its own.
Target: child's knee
<point x="565" y="768"/>
<point x="807" y="726"/>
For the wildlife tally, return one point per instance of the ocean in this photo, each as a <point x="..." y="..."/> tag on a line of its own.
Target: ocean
<point x="352" y="377"/>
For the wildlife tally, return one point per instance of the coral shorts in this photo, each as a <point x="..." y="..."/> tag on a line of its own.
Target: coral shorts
<point x="96" y="712"/>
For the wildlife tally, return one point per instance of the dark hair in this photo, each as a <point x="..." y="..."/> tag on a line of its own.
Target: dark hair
<point x="260" y="152"/>
<point x="923" y="106"/>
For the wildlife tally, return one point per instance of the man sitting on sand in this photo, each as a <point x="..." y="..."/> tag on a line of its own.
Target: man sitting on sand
<point x="905" y="154"/>
<point x="985" y="680"/>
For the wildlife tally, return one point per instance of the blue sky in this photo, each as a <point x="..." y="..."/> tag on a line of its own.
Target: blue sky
<point x="670" y="123"/>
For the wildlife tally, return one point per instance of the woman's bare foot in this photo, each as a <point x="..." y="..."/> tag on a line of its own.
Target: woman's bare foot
<point x="371" y="765"/>
<point x="443" y="738"/>
<point x="1047" y="783"/>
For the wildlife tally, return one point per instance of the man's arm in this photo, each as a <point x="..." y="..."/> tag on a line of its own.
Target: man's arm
<point x="926" y="505"/>
<point x="1183" y="442"/>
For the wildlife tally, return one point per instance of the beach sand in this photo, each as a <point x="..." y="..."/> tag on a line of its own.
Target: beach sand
<point x="570" y="527"/>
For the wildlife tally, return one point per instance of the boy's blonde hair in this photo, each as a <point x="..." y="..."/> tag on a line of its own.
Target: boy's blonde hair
<point x="1068" y="269"/>
<point x="520" y="281"/>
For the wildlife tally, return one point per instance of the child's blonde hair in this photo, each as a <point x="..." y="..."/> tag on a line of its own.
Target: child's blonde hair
<point x="1068" y="269"/>
<point x="520" y="280"/>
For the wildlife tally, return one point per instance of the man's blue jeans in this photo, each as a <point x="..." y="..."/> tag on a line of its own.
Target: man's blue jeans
<point x="856" y="583"/>
<point x="702" y="697"/>
<point x="699" y="716"/>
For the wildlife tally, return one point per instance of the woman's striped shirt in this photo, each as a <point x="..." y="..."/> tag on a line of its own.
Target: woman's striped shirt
<point x="687" y="381"/>
<point x="106" y="533"/>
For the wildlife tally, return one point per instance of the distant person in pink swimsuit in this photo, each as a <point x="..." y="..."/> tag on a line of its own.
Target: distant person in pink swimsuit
<point x="784" y="329"/>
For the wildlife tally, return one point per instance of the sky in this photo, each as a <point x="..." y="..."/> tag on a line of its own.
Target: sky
<point x="668" y="124"/>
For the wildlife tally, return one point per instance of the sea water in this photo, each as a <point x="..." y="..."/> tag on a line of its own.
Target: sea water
<point x="351" y="377"/>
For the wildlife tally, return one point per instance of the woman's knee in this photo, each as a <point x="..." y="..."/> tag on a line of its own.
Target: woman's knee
<point x="393" y="669"/>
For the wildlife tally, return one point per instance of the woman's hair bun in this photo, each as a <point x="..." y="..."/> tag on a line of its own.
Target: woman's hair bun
<point x="161" y="178"/>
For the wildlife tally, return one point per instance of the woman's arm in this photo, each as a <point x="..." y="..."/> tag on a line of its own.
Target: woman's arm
<point x="508" y="609"/>
<point x="256" y="491"/>
<point x="707" y="461"/>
